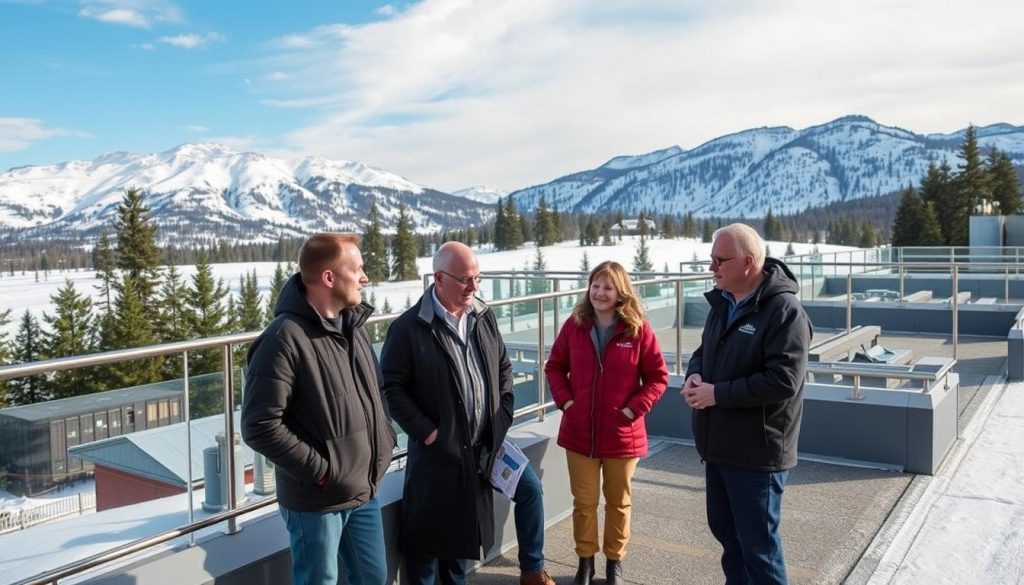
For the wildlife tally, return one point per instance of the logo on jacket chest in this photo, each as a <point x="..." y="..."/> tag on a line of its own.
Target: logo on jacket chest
<point x="748" y="328"/>
<point x="624" y="344"/>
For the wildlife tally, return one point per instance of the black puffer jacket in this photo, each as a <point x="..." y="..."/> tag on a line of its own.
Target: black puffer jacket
<point x="313" y="406"/>
<point x="757" y="366"/>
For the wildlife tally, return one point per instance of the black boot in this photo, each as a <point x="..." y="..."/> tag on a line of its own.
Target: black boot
<point x="585" y="573"/>
<point x="613" y="573"/>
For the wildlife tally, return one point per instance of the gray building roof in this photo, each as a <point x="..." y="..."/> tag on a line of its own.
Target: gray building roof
<point x="161" y="453"/>
<point x="56" y="409"/>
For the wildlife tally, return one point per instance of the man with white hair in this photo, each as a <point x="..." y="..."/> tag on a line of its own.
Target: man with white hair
<point x="745" y="385"/>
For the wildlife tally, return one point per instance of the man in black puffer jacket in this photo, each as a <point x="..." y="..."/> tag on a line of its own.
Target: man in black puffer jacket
<point x="313" y="407"/>
<point x="745" y="384"/>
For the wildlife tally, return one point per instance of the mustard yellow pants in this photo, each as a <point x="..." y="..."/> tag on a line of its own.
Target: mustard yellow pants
<point x="585" y="479"/>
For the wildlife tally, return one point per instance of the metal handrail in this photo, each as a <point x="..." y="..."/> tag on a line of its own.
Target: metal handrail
<point x="58" y="364"/>
<point x="114" y="554"/>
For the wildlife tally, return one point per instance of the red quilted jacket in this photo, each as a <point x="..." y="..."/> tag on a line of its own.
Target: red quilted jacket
<point x="631" y="373"/>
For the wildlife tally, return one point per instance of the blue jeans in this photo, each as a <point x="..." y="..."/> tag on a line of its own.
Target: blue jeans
<point x="744" y="512"/>
<point x="355" y="537"/>
<point x="529" y="519"/>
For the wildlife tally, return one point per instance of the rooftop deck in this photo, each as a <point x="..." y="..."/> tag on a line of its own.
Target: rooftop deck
<point x="843" y="523"/>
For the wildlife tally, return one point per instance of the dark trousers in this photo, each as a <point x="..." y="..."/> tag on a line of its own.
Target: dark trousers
<point x="529" y="519"/>
<point x="744" y="512"/>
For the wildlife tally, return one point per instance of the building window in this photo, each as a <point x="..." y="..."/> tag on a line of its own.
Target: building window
<point x="175" y="409"/>
<point x="151" y="413"/>
<point x="163" y="410"/>
<point x="72" y="434"/>
<point x="129" y="415"/>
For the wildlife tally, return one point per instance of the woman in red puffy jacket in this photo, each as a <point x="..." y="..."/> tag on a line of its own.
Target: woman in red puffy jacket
<point x="606" y="371"/>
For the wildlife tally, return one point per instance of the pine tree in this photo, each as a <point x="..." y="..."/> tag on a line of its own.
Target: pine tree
<point x="515" y="225"/>
<point x="172" y="325"/>
<point x="27" y="348"/>
<point x="138" y="255"/>
<point x="642" y="258"/>
<point x="906" y="228"/>
<point x="277" y="282"/>
<point x="105" y="261"/>
<point x="707" y="234"/>
<point x="1004" y="182"/>
<point x="668" y="227"/>
<point x="591" y="233"/>
<point x="72" y="332"/>
<point x="249" y="310"/>
<point x="544" y="228"/>
<point x="130" y="327"/>
<point x="404" y="248"/>
<point x="937" y="189"/>
<point x="689" y="226"/>
<point x="500" y="226"/>
<point x="931" y="234"/>
<point x="538" y="285"/>
<point x="867" y="236"/>
<point x="789" y="249"/>
<point x="374" y="249"/>
<point x="971" y="185"/>
<point x="769" y="226"/>
<point x="206" y="313"/>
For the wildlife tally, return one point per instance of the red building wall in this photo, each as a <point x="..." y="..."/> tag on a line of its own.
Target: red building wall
<point x="115" y="488"/>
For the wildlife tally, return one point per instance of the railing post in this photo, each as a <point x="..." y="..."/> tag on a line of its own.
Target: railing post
<point x="556" y="300"/>
<point x="679" y="328"/>
<point x="229" y="432"/>
<point x="956" y="311"/>
<point x="902" y="289"/>
<point x="540" y="358"/>
<point x="849" y="299"/>
<point x="1006" y="284"/>
<point x="188" y="446"/>
<point x="511" y="307"/>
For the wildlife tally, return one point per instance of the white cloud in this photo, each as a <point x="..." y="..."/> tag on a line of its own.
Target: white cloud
<point x="386" y="10"/>
<point x="145" y="46"/>
<point x="135" y="13"/>
<point x="515" y="92"/>
<point x="21" y="133"/>
<point x="191" y="40"/>
<point x="197" y="129"/>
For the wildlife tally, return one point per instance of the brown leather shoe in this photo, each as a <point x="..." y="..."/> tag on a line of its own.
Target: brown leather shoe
<point x="540" y="577"/>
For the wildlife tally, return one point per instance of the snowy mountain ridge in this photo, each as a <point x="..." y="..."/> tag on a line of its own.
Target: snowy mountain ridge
<point x="746" y="173"/>
<point x="204" y="190"/>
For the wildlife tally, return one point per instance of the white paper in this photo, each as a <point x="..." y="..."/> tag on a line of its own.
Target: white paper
<point x="509" y="464"/>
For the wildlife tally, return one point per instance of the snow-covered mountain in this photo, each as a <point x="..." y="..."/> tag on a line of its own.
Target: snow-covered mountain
<point x="481" y="194"/>
<point x="198" y="191"/>
<point x="745" y="174"/>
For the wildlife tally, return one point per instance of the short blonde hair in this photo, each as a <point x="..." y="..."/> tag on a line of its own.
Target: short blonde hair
<point x="320" y="252"/>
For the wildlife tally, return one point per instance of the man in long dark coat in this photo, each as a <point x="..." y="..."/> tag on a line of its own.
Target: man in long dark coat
<point x="448" y="382"/>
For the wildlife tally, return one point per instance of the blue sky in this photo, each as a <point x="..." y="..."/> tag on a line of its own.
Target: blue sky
<point x="505" y="93"/>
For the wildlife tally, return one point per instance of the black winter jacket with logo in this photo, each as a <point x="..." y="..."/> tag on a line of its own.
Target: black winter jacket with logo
<point x="313" y="406"/>
<point x="757" y="366"/>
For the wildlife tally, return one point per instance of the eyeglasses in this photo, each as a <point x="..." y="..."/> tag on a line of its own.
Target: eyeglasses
<point x="464" y="281"/>
<point x="719" y="260"/>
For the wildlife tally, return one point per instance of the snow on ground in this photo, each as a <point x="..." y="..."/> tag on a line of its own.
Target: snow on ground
<point x="10" y="502"/>
<point x="968" y="527"/>
<point x="21" y="292"/>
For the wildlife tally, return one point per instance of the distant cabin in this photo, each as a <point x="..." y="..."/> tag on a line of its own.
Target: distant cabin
<point x="631" y="227"/>
<point x="35" y="438"/>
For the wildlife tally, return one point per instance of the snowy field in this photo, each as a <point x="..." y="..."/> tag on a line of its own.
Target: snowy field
<point x="21" y="292"/>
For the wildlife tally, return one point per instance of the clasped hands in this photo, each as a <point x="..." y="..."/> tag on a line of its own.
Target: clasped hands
<point x="697" y="393"/>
